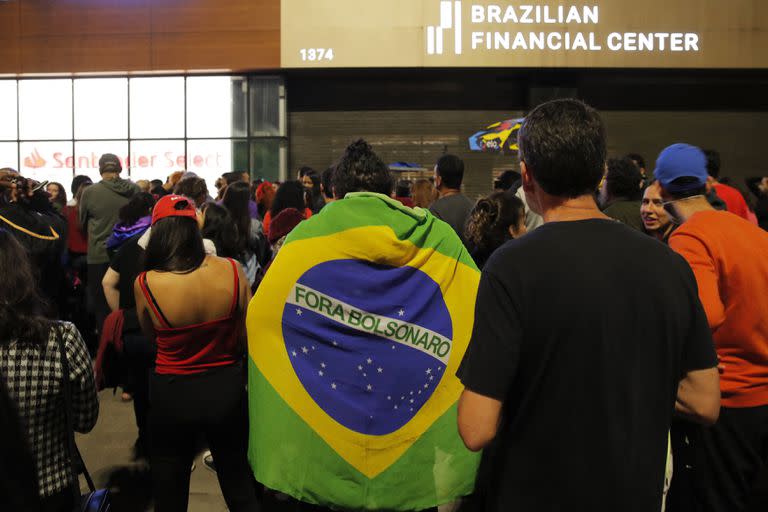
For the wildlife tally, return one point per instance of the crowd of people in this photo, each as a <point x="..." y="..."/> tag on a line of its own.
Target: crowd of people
<point x="618" y="361"/>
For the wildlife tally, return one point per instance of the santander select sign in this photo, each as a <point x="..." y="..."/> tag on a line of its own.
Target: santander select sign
<point x="167" y="159"/>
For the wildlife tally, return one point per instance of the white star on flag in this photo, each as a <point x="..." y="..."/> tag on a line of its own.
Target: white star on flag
<point x="411" y="400"/>
<point x="365" y="374"/>
<point x="298" y="311"/>
<point x="322" y="365"/>
<point x="293" y="353"/>
<point x="369" y="360"/>
<point x="369" y="387"/>
<point x="411" y="392"/>
<point x="431" y="378"/>
<point x="313" y="347"/>
<point x="359" y="367"/>
<point x="320" y="373"/>
<point x="335" y="344"/>
<point x="419" y="391"/>
<point x="393" y="347"/>
<point x="304" y="349"/>
<point x="379" y="369"/>
<point x="426" y="386"/>
<point x="333" y="385"/>
<point x="429" y="370"/>
<point x="389" y="398"/>
<point x="401" y="312"/>
<point x="395" y="406"/>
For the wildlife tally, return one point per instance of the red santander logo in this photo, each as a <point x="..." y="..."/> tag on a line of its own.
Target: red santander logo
<point x="34" y="160"/>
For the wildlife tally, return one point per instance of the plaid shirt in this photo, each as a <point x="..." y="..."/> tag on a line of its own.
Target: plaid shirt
<point x="33" y="375"/>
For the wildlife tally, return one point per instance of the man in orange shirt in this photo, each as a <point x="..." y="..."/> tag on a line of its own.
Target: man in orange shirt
<point x="729" y="257"/>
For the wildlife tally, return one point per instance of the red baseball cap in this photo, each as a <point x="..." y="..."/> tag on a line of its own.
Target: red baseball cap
<point x="173" y="206"/>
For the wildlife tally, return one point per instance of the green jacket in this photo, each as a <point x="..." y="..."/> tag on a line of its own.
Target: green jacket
<point x="99" y="209"/>
<point x="626" y="212"/>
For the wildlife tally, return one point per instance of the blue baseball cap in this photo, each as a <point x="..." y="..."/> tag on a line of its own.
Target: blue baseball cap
<point x="681" y="161"/>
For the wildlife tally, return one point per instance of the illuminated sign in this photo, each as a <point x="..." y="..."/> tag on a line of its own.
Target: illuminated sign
<point x="483" y="33"/>
<point x="167" y="159"/>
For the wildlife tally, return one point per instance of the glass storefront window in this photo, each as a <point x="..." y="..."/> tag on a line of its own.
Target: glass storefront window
<point x="157" y="107"/>
<point x="216" y="106"/>
<point x="8" y="102"/>
<point x="204" y="124"/>
<point x="50" y="161"/>
<point x="101" y="107"/>
<point x="156" y="159"/>
<point x="209" y="159"/>
<point x="45" y="109"/>
<point x="268" y="157"/>
<point x="87" y="154"/>
<point x="9" y="155"/>
<point x="267" y="109"/>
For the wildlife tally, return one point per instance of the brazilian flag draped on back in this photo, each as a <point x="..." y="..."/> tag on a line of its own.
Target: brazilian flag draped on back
<point x="354" y="337"/>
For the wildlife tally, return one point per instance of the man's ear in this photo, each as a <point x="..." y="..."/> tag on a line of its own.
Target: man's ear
<point x="526" y="177"/>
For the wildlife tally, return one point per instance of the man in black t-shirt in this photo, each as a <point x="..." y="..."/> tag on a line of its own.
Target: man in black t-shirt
<point x="577" y="361"/>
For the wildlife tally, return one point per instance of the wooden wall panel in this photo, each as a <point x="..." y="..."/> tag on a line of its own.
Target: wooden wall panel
<point x="205" y="16"/>
<point x="237" y="51"/>
<point x="43" y="18"/>
<point x="9" y="38"/>
<point x="86" y="53"/>
<point x="95" y="36"/>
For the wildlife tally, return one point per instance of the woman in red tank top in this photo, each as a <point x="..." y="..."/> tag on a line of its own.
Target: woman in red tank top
<point x="194" y="306"/>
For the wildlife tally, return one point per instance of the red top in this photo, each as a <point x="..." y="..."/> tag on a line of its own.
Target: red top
<point x="268" y="219"/>
<point x="727" y="255"/>
<point x="77" y="241"/>
<point x="734" y="201"/>
<point x="195" y="348"/>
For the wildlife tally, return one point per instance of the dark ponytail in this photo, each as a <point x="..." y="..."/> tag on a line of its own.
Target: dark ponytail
<point x="490" y="220"/>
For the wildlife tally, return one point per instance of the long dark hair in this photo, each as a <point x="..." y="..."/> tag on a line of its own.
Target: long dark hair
<point x="219" y="228"/>
<point x="489" y="222"/>
<point x="22" y="308"/>
<point x="61" y="197"/>
<point x="289" y="195"/>
<point x="236" y="200"/>
<point x="175" y="245"/>
<point x="139" y="206"/>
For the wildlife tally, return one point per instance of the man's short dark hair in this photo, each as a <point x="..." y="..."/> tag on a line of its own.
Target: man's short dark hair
<point x="403" y="188"/>
<point x="562" y="142"/>
<point x="232" y="177"/>
<point x="690" y="192"/>
<point x="450" y="168"/>
<point x="361" y="170"/>
<point x="637" y="158"/>
<point x="506" y="180"/>
<point x="156" y="183"/>
<point x="713" y="162"/>
<point x="79" y="180"/>
<point x="327" y="181"/>
<point x="623" y="179"/>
